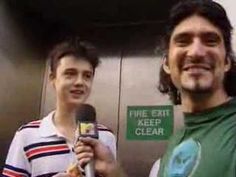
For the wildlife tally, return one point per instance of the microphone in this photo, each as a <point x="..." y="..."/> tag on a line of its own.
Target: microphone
<point x="86" y="121"/>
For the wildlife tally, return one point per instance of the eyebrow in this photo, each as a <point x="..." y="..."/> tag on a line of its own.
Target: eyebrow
<point x="212" y="34"/>
<point x="75" y="70"/>
<point x="202" y="34"/>
<point x="181" y="35"/>
<point x="70" y="69"/>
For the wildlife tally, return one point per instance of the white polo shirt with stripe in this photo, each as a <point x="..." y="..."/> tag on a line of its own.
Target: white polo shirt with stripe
<point x="38" y="150"/>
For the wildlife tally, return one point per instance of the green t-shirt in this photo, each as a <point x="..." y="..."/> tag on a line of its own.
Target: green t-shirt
<point x="206" y="147"/>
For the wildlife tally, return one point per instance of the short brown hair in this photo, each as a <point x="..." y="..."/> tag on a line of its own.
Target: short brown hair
<point x="73" y="46"/>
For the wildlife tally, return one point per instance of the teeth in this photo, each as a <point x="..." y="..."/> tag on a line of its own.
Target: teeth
<point x="77" y="92"/>
<point x="196" y="67"/>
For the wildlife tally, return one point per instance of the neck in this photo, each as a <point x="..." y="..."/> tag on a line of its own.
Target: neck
<point x="65" y="122"/>
<point x="192" y="103"/>
<point x="65" y="116"/>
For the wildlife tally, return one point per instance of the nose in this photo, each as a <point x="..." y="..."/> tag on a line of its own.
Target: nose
<point x="196" y="49"/>
<point x="79" y="80"/>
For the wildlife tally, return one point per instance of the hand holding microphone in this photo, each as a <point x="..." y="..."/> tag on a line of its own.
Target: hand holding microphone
<point x="89" y="148"/>
<point x="92" y="153"/>
<point x="87" y="126"/>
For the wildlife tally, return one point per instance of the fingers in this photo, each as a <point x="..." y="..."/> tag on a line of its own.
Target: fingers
<point x="84" y="158"/>
<point x="88" y="148"/>
<point x="84" y="153"/>
<point x="89" y="141"/>
<point x="82" y="147"/>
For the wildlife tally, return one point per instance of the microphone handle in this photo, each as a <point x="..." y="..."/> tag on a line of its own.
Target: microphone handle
<point x="89" y="169"/>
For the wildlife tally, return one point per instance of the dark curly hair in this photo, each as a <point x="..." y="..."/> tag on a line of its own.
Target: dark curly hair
<point x="216" y="14"/>
<point x="73" y="46"/>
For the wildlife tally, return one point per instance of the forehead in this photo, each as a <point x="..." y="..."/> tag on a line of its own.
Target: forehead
<point x="196" y="25"/>
<point x="73" y="62"/>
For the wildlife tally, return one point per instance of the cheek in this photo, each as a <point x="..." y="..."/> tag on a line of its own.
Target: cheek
<point x="221" y="65"/>
<point x="176" y="80"/>
<point x="175" y="70"/>
<point x="89" y="88"/>
<point x="62" y="86"/>
<point x="219" y="74"/>
<point x="89" y="84"/>
<point x="176" y="75"/>
<point x="176" y="58"/>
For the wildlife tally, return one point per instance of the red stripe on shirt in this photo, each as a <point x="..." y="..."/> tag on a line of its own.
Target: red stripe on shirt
<point x="34" y="122"/>
<point x="45" y="150"/>
<point x="11" y="173"/>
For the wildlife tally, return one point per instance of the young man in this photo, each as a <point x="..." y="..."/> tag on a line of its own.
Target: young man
<point x="198" y="72"/>
<point x="46" y="147"/>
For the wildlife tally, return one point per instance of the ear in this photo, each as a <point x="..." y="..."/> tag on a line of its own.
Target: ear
<point x="228" y="64"/>
<point x="165" y="65"/>
<point x="52" y="79"/>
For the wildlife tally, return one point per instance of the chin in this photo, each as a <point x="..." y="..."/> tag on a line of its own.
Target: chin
<point x="76" y="102"/>
<point x="198" y="89"/>
<point x="201" y="86"/>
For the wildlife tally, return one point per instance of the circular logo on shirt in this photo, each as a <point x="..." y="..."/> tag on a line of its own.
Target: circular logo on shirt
<point x="184" y="159"/>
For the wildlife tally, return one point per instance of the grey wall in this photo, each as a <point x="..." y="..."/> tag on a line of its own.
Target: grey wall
<point x="21" y="80"/>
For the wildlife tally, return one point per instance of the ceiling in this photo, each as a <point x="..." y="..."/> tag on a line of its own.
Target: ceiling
<point x="50" y="18"/>
<point x="94" y="11"/>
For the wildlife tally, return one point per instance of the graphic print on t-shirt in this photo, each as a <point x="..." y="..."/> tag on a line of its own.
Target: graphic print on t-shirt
<point x="184" y="159"/>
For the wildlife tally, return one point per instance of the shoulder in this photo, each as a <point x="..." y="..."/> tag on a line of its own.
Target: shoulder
<point x="107" y="137"/>
<point x="175" y="138"/>
<point x="30" y="126"/>
<point x="27" y="132"/>
<point x="102" y="127"/>
<point x="105" y="133"/>
<point x="35" y="124"/>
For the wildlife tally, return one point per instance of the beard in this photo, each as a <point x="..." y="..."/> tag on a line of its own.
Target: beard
<point x="197" y="86"/>
<point x="198" y="80"/>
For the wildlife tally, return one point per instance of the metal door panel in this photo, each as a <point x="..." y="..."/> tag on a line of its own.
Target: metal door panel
<point x="21" y="81"/>
<point x="139" y="80"/>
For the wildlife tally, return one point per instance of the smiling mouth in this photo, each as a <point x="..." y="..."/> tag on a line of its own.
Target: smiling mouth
<point x="196" y="67"/>
<point x="77" y="92"/>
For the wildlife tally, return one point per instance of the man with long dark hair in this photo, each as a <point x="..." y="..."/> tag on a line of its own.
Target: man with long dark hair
<point x="198" y="72"/>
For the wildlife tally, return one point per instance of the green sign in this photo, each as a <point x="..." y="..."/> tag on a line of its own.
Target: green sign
<point x="149" y="122"/>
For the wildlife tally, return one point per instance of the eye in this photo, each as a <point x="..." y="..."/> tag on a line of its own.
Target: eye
<point x="88" y="75"/>
<point x="211" y="39"/>
<point x="70" y="73"/>
<point x="182" y="40"/>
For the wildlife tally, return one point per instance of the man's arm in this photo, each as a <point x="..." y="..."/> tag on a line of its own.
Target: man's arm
<point x="105" y="164"/>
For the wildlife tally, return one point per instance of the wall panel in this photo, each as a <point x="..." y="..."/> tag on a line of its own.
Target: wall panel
<point x="138" y="87"/>
<point x="21" y="81"/>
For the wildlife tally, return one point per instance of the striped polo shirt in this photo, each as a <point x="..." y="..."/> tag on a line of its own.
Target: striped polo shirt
<point x="37" y="149"/>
